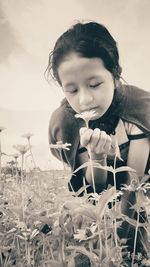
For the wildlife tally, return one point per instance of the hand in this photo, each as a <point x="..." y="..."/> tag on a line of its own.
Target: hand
<point x="98" y="140"/>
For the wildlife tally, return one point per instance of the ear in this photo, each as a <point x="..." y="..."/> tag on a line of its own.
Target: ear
<point x="117" y="83"/>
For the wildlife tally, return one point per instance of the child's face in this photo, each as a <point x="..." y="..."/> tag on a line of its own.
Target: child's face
<point x="86" y="83"/>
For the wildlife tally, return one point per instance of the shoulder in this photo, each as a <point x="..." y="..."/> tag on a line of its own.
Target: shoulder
<point x="136" y="95"/>
<point x="136" y="107"/>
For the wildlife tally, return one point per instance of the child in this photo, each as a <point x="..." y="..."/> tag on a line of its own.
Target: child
<point x="85" y="63"/>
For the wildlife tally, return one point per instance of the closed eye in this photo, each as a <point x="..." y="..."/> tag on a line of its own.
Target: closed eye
<point x="95" y="85"/>
<point x="70" y="91"/>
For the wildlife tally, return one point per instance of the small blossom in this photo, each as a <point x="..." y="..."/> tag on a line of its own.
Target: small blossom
<point x="27" y="135"/>
<point x="132" y="186"/>
<point x="80" y="234"/>
<point x="21" y="148"/>
<point x="136" y="186"/>
<point x="86" y="115"/>
<point x="60" y="145"/>
<point x="15" y="155"/>
<point x="115" y="150"/>
<point x="87" y="233"/>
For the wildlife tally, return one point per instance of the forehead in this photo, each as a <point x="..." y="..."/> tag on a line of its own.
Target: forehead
<point x="73" y="65"/>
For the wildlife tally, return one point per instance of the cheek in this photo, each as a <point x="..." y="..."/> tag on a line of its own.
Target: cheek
<point x="104" y="97"/>
<point x="73" y="101"/>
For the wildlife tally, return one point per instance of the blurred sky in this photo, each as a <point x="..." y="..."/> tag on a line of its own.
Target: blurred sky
<point x="28" y="31"/>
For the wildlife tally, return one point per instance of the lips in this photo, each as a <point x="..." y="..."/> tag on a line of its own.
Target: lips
<point x="89" y="109"/>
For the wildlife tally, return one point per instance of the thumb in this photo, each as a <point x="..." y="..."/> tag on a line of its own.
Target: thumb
<point x="82" y="130"/>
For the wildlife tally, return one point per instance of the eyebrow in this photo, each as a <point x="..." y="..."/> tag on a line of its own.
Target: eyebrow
<point x="90" y="78"/>
<point x="69" y="84"/>
<point x="94" y="77"/>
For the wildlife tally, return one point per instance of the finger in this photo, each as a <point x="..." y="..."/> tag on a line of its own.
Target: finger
<point x="107" y="145"/>
<point x="85" y="137"/>
<point x="101" y="144"/>
<point x="95" y="139"/>
<point x="82" y="130"/>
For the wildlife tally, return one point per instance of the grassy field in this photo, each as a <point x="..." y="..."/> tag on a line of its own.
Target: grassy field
<point x="43" y="225"/>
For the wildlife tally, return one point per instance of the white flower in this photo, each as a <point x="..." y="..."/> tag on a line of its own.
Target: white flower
<point x="27" y="135"/>
<point x="86" y="115"/>
<point x="60" y="145"/>
<point x="21" y="148"/>
<point x="115" y="150"/>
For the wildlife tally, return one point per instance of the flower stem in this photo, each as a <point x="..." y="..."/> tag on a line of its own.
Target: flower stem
<point x="135" y="238"/>
<point x="90" y="159"/>
<point x="114" y="177"/>
<point x="28" y="254"/>
<point x="31" y="154"/>
<point x="100" y="243"/>
<point x="91" y="168"/>
<point x="61" y="158"/>
<point x="105" y="229"/>
<point x="22" y="193"/>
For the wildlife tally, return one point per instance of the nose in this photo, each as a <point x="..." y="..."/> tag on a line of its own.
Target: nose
<point x="85" y="99"/>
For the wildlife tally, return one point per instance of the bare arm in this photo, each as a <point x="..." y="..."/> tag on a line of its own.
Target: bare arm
<point x="100" y="176"/>
<point x="138" y="155"/>
<point x="98" y="142"/>
<point x="137" y="159"/>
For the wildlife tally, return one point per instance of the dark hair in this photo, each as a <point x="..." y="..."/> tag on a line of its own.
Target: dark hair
<point x="89" y="40"/>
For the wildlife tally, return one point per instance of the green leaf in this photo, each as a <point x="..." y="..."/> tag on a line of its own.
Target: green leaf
<point x="53" y="263"/>
<point x="71" y="263"/>
<point x="84" y="165"/>
<point x="92" y="256"/>
<point x="99" y="166"/>
<point x="107" y="196"/>
<point x="134" y="222"/>
<point x="124" y="169"/>
<point x="12" y="231"/>
<point x="81" y="190"/>
<point x="145" y="178"/>
<point x="95" y="164"/>
<point x="21" y="237"/>
<point x="34" y="233"/>
<point x="87" y="210"/>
